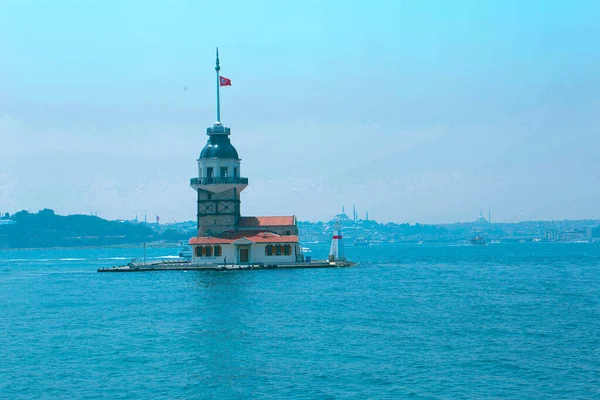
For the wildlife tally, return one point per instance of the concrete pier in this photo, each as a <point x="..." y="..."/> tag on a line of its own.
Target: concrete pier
<point x="188" y="266"/>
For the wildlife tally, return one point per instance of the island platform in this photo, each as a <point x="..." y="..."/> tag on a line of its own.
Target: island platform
<point x="176" y="265"/>
<point x="248" y="242"/>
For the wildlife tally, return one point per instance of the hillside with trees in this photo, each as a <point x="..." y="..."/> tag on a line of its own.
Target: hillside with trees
<point x="47" y="229"/>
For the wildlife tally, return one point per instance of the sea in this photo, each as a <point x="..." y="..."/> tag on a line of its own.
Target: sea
<point x="418" y="321"/>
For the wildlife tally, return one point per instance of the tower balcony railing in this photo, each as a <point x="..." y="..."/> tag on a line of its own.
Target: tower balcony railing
<point x="215" y="180"/>
<point x="218" y="129"/>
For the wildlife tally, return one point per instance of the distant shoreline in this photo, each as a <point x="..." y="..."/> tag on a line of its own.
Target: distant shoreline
<point x="111" y="246"/>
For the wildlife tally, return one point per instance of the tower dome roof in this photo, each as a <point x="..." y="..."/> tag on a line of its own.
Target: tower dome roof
<point x="219" y="146"/>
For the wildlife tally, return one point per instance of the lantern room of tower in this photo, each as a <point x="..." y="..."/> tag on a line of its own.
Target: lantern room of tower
<point x="219" y="167"/>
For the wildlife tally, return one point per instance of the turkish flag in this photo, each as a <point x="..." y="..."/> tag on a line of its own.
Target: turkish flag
<point x="224" y="81"/>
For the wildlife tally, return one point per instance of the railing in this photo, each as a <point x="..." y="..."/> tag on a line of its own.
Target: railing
<point x="211" y="181"/>
<point x="218" y="129"/>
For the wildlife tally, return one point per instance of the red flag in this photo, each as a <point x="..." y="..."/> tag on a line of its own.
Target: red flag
<point x="224" y="81"/>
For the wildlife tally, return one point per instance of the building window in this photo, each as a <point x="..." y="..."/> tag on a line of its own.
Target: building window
<point x="288" y="233"/>
<point x="209" y="172"/>
<point x="209" y="196"/>
<point x="223" y="172"/>
<point x="208" y="251"/>
<point x="235" y="172"/>
<point x="278" y="249"/>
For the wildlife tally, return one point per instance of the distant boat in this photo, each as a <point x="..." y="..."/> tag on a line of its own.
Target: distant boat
<point x="361" y="242"/>
<point x="185" y="252"/>
<point x="478" y="241"/>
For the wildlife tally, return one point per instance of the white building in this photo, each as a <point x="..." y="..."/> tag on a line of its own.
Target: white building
<point x="224" y="236"/>
<point x="247" y="247"/>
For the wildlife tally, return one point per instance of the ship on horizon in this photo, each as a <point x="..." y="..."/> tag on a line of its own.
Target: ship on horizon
<point x="478" y="240"/>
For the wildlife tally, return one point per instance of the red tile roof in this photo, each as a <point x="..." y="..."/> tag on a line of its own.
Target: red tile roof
<point x="253" y="236"/>
<point x="268" y="237"/>
<point x="267" y="221"/>
<point x="209" y="240"/>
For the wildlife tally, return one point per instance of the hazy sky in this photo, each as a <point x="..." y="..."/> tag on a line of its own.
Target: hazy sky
<point x="415" y="111"/>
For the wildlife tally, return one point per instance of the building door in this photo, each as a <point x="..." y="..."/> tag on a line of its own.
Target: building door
<point x="244" y="255"/>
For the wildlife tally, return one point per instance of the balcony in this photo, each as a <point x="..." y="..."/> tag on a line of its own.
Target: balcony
<point x="218" y="181"/>
<point x="218" y="129"/>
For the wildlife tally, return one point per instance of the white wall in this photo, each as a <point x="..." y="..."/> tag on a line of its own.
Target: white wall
<point x="228" y="250"/>
<point x="257" y="255"/>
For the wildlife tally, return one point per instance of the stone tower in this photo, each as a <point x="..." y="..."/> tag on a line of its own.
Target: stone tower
<point x="219" y="182"/>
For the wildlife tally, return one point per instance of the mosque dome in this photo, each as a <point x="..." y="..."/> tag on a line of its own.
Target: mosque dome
<point x="219" y="146"/>
<point x="341" y="216"/>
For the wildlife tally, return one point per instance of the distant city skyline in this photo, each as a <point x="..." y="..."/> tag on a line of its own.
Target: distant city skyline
<point x="414" y="111"/>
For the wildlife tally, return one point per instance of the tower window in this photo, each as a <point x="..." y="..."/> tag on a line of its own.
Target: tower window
<point x="223" y="172"/>
<point x="235" y="172"/>
<point x="209" y="172"/>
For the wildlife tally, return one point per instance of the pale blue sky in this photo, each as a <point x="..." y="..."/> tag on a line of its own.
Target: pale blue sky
<point x="416" y="111"/>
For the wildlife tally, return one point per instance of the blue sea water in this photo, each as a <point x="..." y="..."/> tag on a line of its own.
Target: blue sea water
<point x="411" y="321"/>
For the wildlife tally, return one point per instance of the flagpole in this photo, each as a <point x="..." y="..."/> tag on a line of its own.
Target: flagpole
<point x="218" y="68"/>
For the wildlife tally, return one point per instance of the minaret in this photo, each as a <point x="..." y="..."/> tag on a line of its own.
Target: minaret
<point x="219" y="180"/>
